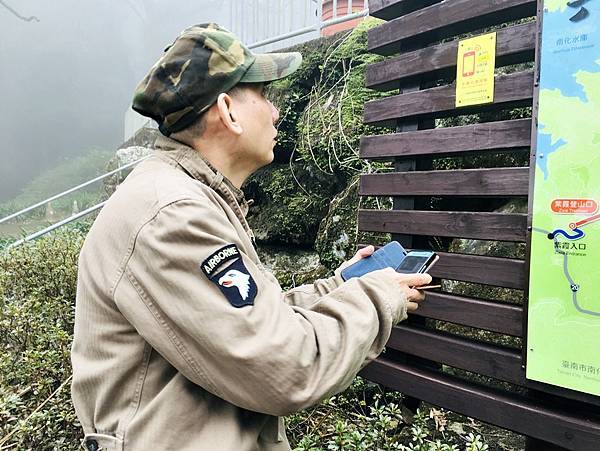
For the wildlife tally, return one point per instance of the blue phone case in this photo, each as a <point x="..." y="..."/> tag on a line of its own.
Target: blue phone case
<point x="388" y="256"/>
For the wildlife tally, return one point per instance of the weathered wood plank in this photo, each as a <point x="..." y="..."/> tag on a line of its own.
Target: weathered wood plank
<point x="443" y="20"/>
<point x="493" y="316"/>
<point x="390" y="9"/>
<point x="502" y="272"/>
<point x="562" y="393"/>
<point x="481" y="226"/>
<point x="497" y="136"/>
<point x="501" y="182"/>
<point x="490" y="360"/>
<point x="497" y="271"/>
<point x="510" y="91"/>
<point x="514" y="45"/>
<point x="568" y="428"/>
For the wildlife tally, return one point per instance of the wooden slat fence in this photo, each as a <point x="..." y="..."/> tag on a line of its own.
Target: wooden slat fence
<point x="421" y="39"/>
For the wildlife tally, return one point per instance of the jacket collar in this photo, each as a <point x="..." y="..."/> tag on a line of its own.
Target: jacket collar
<point x="192" y="162"/>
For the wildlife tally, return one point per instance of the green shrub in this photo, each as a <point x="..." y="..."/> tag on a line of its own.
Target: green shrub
<point x="37" y="294"/>
<point x="367" y="418"/>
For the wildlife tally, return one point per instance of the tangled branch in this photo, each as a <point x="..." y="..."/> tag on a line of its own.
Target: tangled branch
<point x="15" y="13"/>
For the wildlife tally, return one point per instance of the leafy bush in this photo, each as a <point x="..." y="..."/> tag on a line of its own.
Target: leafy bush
<point x="37" y="298"/>
<point x="367" y="418"/>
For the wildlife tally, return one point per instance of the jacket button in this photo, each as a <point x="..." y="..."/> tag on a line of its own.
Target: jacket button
<point x="91" y="445"/>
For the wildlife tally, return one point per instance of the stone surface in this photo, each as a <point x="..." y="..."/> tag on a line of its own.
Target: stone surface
<point x="292" y="266"/>
<point x="122" y="157"/>
<point x="336" y="239"/>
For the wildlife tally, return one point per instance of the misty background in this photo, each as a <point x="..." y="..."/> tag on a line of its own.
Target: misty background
<point x="68" y="69"/>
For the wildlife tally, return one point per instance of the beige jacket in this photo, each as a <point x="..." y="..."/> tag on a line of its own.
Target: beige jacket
<point x="165" y="357"/>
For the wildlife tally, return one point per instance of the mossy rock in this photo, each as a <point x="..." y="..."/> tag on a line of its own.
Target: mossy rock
<point x="316" y="157"/>
<point x="292" y="266"/>
<point x="286" y="211"/>
<point x="336" y="240"/>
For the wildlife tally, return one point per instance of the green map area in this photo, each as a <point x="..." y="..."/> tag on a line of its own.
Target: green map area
<point x="564" y="292"/>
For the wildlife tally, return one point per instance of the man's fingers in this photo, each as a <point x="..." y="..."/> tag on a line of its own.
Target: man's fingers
<point x="360" y="254"/>
<point x="415" y="280"/>
<point x="414" y="295"/>
<point x="365" y="251"/>
<point x="412" y="306"/>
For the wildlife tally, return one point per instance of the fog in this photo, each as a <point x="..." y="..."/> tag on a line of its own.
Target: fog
<point x="67" y="80"/>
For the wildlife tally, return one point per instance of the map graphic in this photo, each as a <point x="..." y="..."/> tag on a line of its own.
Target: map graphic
<point x="563" y="335"/>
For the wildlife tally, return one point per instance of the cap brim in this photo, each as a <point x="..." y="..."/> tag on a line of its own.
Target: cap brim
<point x="272" y="66"/>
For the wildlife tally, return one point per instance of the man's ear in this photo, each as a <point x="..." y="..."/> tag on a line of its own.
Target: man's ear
<point x="228" y="114"/>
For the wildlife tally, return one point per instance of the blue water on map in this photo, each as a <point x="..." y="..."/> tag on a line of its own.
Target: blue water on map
<point x="545" y="147"/>
<point x="569" y="48"/>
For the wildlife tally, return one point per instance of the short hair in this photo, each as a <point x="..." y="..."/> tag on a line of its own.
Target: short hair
<point x="197" y="128"/>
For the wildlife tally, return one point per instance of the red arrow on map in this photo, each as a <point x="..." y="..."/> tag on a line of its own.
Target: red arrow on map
<point x="575" y="225"/>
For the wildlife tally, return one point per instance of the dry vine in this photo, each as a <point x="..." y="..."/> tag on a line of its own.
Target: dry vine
<point x="16" y="14"/>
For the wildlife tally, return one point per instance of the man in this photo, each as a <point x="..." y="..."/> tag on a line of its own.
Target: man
<point x="183" y="341"/>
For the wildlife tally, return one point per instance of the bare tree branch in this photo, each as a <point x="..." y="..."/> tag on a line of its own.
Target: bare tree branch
<point x="26" y="19"/>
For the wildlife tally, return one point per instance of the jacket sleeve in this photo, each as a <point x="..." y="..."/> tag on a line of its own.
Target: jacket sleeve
<point x="268" y="357"/>
<point x="307" y="295"/>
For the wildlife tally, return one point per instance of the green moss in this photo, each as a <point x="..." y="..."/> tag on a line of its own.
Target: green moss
<point x="336" y="241"/>
<point x="331" y="125"/>
<point x="286" y="211"/>
<point x="321" y="108"/>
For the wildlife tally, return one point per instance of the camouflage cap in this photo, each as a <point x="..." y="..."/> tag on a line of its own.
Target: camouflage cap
<point x="204" y="61"/>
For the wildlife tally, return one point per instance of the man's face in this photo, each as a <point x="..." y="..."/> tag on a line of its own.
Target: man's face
<point x="258" y="118"/>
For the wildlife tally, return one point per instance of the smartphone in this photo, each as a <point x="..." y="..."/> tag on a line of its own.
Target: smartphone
<point x="469" y="64"/>
<point x="389" y="256"/>
<point x="417" y="262"/>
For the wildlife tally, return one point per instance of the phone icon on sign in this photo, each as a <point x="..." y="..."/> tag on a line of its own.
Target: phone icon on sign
<point x="469" y="64"/>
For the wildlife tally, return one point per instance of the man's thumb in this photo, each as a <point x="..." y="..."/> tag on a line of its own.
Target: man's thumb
<point x="366" y="251"/>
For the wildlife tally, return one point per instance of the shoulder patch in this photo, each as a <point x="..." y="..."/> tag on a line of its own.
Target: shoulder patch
<point x="235" y="281"/>
<point x="218" y="258"/>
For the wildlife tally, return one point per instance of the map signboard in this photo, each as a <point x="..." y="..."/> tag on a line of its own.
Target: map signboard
<point x="563" y="336"/>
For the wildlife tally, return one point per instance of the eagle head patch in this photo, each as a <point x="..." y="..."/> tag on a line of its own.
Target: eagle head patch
<point x="235" y="281"/>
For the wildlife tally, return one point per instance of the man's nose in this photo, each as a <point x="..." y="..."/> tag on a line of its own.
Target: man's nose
<point x="274" y="112"/>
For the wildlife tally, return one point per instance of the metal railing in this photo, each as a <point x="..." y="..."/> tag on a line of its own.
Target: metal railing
<point x="70" y="190"/>
<point x="59" y="224"/>
<point x="317" y="26"/>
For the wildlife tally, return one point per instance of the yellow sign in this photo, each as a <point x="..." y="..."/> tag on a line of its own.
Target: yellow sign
<point x="475" y="70"/>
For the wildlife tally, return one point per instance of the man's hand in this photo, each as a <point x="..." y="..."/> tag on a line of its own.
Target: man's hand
<point x="410" y="283"/>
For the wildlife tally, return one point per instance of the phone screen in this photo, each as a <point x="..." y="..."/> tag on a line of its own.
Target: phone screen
<point x="415" y="263"/>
